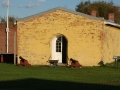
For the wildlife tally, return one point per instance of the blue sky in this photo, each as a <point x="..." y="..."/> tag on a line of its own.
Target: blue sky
<point x="24" y="8"/>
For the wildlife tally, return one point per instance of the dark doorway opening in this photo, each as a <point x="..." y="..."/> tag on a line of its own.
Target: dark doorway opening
<point x="64" y="50"/>
<point x="7" y="58"/>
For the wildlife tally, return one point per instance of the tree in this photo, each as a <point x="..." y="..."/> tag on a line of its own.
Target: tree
<point x="2" y="20"/>
<point x="103" y="8"/>
<point x="11" y="19"/>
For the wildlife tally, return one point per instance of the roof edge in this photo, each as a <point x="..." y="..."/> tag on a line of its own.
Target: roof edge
<point x="64" y="9"/>
<point x="107" y="22"/>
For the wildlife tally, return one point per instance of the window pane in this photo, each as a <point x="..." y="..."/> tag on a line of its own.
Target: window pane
<point x="59" y="39"/>
<point x="59" y="49"/>
<point x="59" y="43"/>
<point x="56" y="50"/>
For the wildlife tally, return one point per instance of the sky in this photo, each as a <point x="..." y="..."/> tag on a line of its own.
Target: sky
<point x="24" y="8"/>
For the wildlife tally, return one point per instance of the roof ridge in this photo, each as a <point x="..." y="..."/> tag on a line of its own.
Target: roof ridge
<point x="64" y="9"/>
<point x="107" y="22"/>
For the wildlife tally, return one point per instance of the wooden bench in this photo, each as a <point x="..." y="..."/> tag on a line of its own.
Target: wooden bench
<point x="53" y="62"/>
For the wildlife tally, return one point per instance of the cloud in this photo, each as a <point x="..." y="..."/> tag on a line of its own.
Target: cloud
<point x="30" y="5"/>
<point x="4" y="3"/>
<point x="41" y="0"/>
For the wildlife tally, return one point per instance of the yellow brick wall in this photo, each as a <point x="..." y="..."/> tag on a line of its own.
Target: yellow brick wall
<point x="85" y="38"/>
<point x="111" y="43"/>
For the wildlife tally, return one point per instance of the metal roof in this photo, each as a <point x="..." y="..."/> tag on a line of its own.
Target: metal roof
<point x="63" y="9"/>
<point x="111" y="23"/>
<point x="106" y="22"/>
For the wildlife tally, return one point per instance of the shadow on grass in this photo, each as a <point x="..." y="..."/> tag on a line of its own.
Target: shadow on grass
<point x="38" y="84"/>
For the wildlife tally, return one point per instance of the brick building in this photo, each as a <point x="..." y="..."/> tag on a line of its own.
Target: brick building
<point x="60" y="34"/>
<point x="3" y="41"/>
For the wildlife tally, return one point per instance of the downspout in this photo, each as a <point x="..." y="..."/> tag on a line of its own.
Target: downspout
<point x="7" y="29"/>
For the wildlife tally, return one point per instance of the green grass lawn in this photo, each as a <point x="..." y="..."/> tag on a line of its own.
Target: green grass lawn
<point x="59" y="78"/>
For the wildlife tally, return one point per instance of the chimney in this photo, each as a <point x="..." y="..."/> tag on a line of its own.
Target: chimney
<point x="111" y="17"/>
<point x="93" y="13"/>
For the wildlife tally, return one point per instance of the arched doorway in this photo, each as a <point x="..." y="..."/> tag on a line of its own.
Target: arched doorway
<point x="59" y="49"/>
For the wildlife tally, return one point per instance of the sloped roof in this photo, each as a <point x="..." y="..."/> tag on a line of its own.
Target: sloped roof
<point x="107" y="22"/>
<point x="63" y="9"/>
<point x="111" y="23"/>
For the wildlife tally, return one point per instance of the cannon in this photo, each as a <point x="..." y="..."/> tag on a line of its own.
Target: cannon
<point x="23" y="62"/>
<point x="75" y="63"/>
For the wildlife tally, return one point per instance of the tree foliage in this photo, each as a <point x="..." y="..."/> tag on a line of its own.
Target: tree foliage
<point x="11" y="19"/>
<point x="2" y="20"/>
<point x="103" y="8"/>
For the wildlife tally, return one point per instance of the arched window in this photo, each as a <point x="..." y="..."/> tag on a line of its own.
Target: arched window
<point x="58" y="44"/>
